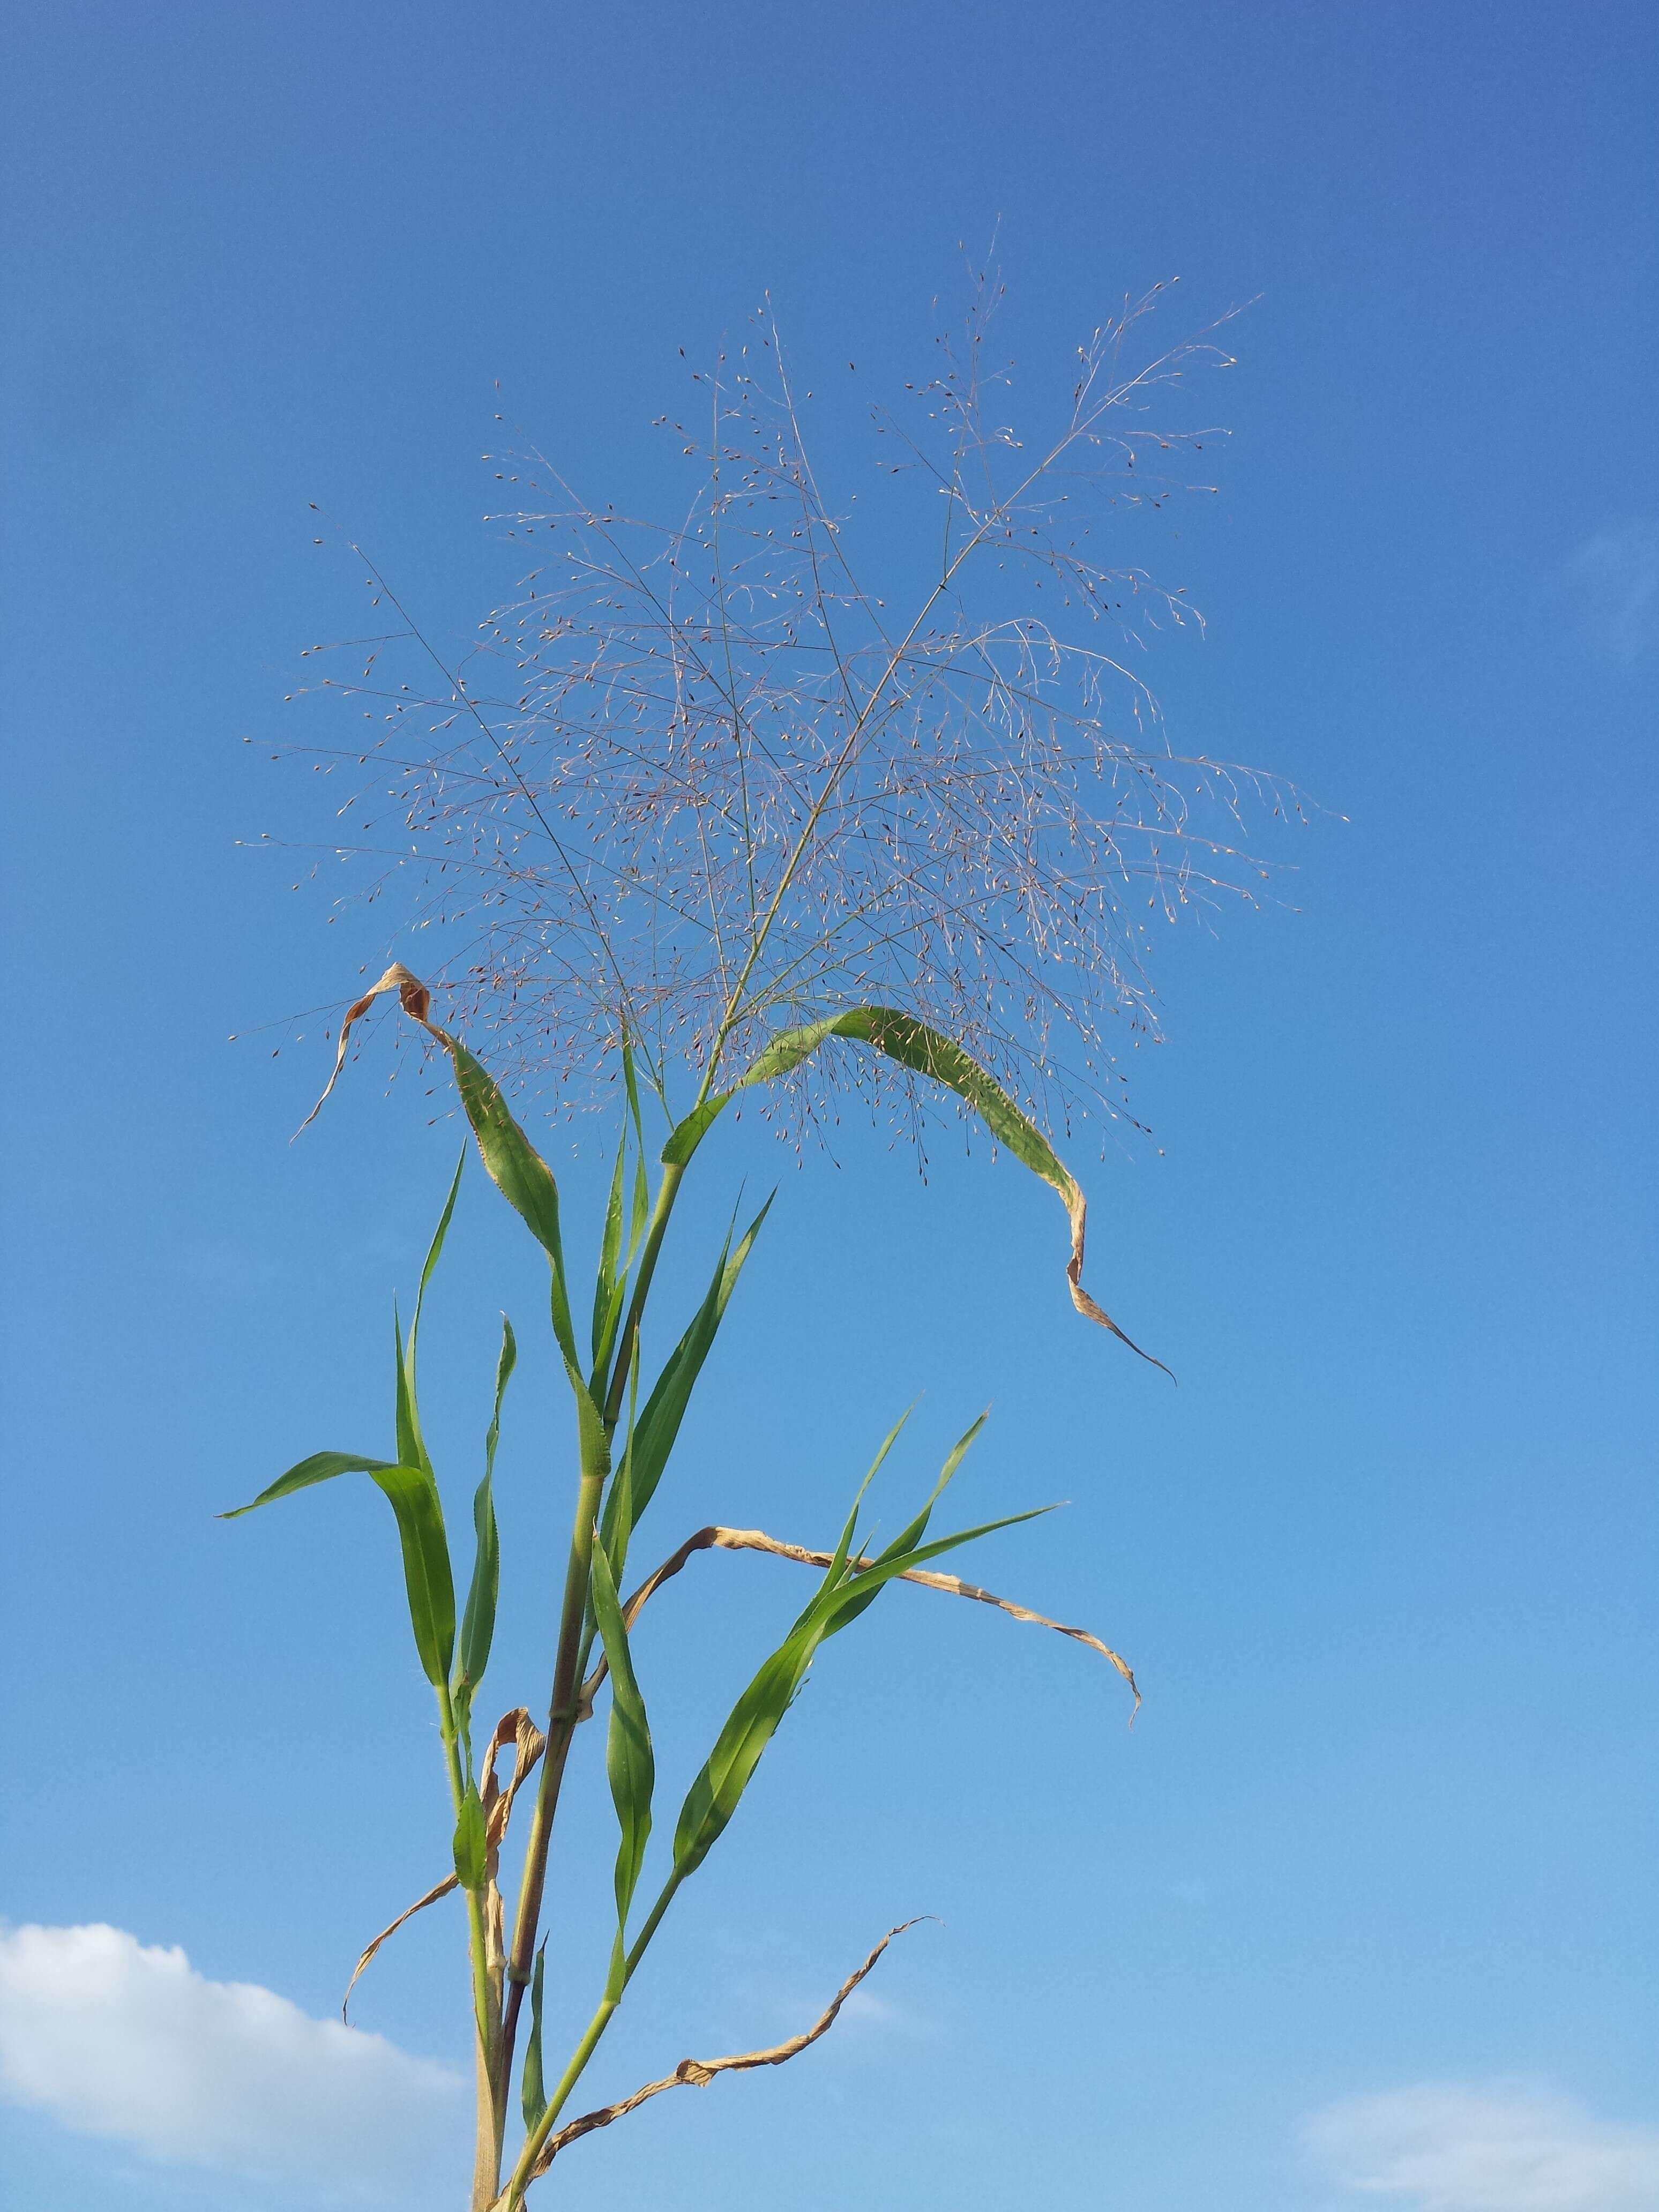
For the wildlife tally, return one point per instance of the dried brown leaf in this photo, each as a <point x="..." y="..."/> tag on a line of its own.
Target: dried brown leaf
<point x="416" y="1000"/>
<point x="698" y="2073"/>
<point x="756" y="1540"/>
<point x="518" y="1729"/>
<point x="1076" y="1207"/>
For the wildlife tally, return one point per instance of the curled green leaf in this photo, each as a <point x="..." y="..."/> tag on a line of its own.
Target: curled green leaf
<point x="926" y="1052"/>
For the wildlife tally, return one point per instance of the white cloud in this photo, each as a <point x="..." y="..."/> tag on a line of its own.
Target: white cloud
<point x="865" y="2013"/>
<point x="120" y="2040"/>
<point x="1505" y="2147"/>
<point x="1617" y="577"/>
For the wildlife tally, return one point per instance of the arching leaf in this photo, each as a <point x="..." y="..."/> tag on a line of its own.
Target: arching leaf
<point x="413" y="1495"/>
<point x="900" y="1037"/>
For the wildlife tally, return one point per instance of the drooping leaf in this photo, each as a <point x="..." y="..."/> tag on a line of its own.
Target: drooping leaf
<point x="519" y="1173"/>
<point x="532" y="2087"/>
<point x="926" y="1052"/>
<point x="439" y="1889"/>
<point x="470" y="1849"/>
<point x="526" y="1180"/>
<point x="513" y="1163"/>
<point x="631" y="1767"/>
<point x="413" y="1495"/>
<point x="427" y="1580"/>
<point x="321" y="1467"/>
<point x="716" y="1539"/>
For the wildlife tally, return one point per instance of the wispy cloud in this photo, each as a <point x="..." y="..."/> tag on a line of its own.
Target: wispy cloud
<point x="125" y="2041"/>
<point x="1504" y="2146"/>
<point x="1616" y="575"/>
<point x="864" y="2011"/>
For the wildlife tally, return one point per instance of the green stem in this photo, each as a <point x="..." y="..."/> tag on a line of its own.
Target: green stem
<point x="535" y="2141"/>
<point x="561" y="1716"/>
<point x="560" y="1722"/>
<point x="491" y="2124"/>
<point x="572" y="2073"/>
<point x="477" y="1938"/>
<point x="654" y="1920"/>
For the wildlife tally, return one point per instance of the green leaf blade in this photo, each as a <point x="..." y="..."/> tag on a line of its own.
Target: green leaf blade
<point x="841" y="1597"/>
<point x="412" y="1444"/>
<point x="321" y="1467"/>
<point x="862" y="1589"/>
<point x="470" y="1848"/>
<point x="713" y="1796"/>
<point x="640" y="1210"/>
<point x="630" y="1764"/>
<point x="687" y="1135"/>
<point x="533" y="2085"/>
<point x="607" y="1285"/>
<point x="928" y="1052"/>
<point x="429" y="1582"/>
<point x="664" y="1409"/>
<point x="413" y="1495"/>
<point x="520" y="1173"/>
<point x="478" y="1620"/>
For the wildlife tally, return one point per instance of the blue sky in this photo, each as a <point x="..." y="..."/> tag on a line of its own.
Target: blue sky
<point x="1375" y="1864"/>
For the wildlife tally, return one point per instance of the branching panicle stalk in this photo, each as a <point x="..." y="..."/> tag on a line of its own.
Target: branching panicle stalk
<point x="719" y="785"/>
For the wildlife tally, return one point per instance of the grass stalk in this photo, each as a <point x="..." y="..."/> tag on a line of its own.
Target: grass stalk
<point x="560" y="1722"/>
<point x="513" y="2198"/>
<point x="492" y="2113"/>
<point x="562" y="1710"/>
<point x="523" y="2169"/>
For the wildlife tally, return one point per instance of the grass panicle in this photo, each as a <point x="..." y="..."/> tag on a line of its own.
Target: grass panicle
<point x="713" y="822"/>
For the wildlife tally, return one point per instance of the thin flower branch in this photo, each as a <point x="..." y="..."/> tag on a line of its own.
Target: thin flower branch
<point x="694" y="778"/>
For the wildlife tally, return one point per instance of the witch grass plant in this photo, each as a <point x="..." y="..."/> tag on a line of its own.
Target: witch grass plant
<point x="733" y="832"/>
